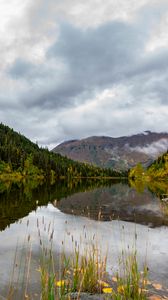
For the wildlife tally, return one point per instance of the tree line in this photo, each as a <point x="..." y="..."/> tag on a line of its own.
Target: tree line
<point x="21" y="156"/>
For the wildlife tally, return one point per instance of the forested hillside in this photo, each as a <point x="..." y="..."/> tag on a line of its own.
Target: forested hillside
<point x="20" y="156"/>
<point x="158" y="169"/>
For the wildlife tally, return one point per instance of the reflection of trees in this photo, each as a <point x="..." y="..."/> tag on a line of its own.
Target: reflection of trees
<point x="158" y="188"/>
<point x="19" y="199"/>
<point x="138" y="185"/>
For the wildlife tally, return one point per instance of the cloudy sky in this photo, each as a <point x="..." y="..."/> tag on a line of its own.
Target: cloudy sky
<point x="73" y="68"/>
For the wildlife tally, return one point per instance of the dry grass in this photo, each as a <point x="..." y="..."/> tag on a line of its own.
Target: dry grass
<point x="84" y="270"/>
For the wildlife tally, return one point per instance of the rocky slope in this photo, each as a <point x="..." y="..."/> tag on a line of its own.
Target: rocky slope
<point x="119" y="153"/>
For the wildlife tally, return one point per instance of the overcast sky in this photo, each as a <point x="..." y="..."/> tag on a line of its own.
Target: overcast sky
<point x="73" y="68"/>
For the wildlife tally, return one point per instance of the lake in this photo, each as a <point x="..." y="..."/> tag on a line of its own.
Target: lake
<point x="118" y="216"/>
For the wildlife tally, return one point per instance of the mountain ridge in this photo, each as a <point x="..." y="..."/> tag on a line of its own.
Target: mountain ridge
<point x="120" y="153"/>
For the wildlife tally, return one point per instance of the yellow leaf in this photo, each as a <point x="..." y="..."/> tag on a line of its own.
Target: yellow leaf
<point x="114" y="279"/>
<point x="120" y="289"/>
<point x="60" y="283"/>
<point x="146" y="282"/>
<point x="107" y="290"/>
<point x="157" y="286"/>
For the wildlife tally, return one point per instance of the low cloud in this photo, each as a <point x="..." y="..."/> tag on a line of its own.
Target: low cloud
<point x="154" y="149"/>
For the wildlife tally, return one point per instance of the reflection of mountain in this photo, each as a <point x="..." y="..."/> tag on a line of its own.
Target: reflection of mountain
<point x="85" y="198"/>
<point x="119" y="201"/>
<point x="119" y="153"/>
<point x="17" y="201"/>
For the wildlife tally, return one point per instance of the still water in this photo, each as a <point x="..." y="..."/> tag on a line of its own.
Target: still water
<point x="119" y="216"/>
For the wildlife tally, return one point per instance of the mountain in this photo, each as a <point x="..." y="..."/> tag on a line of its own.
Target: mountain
<point x="19" y="157"/>
<point x="119" y="153"/>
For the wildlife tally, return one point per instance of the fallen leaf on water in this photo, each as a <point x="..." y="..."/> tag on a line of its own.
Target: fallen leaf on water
<point x="157" y="286"/>
<point x="114" y="279"/>
<point x="107" y="290"/>
<point x="154" y="297"/>
<point x="146" y="282"/>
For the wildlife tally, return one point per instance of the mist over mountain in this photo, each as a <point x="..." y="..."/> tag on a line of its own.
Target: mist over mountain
<point x="119" y="153"/>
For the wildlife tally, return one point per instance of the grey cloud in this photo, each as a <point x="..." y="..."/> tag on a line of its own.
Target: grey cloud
<point x="98" y="56"/>
<point x="94" y="59"/>
<point x="21" y="68"/>
<point x="53" y="95"/>
<point x="150" y="87"/>
<point x="26" y="70"/>
<point x="150" y="64"/>
<point x="78" y="66"/>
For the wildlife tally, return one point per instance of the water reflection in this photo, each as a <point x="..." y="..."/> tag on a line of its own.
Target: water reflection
<point x="34" y="203"/>
<point x="17" y="200"/>
<point x="103" y="200"/>
<point x="114" y="236"/>
<point x="117" y="202"/>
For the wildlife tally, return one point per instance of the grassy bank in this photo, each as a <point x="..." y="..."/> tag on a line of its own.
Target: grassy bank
<point x="86" y="273"/>
<point x="84" y="270"/>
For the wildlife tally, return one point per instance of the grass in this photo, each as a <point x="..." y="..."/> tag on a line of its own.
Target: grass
<point x="132" y="284"/>
<point x="84" y="270"/>
<point x="80" y="272"/>
<point x="87" y="273"/>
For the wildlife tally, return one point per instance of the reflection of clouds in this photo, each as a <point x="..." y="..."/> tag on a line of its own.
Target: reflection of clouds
<point x="114" y="236"/>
